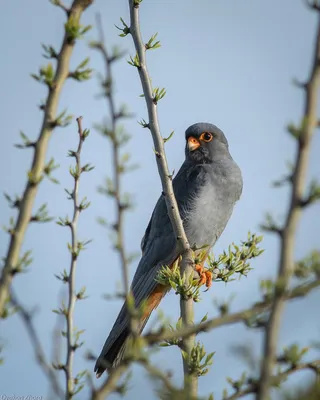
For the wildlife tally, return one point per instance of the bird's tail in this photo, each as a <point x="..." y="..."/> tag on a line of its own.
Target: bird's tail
<point x="115" y="346"/>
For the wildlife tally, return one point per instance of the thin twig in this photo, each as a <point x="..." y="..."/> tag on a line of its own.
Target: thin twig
<point x="186" y="305"/>
<point x="111" y="382"/>
<point x="287" y="238"/>
<point x="36" y="344"/>
<point x="275" y="379"/>
<point x="38" y="163"/>
<point x="160" y="375"/>
<point x="72" y="298"/>
<point x="109" y="93"/>
<point x="62" y="6"/>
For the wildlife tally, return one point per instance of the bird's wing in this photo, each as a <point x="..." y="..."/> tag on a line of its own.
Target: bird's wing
<point x="159" y="244"/>
<point x="160" y="248"/>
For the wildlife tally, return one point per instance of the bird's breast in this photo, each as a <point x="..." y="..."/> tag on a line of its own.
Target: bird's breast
<point x="210" y="211"/>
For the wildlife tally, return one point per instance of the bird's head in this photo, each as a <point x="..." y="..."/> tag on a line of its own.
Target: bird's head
<point x="205" y="143"/>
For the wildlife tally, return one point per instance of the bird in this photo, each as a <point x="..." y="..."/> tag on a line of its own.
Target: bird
<point x="206" y="188"/>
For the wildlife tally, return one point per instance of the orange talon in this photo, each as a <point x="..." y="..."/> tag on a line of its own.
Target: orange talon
<point x="205" y="276"/>
<point x="208" y="278"/>
<point x="199" y="268"/>
<point x="202" y="280"/>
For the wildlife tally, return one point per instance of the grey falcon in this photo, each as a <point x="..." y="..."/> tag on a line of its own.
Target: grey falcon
<point x="206" y="188"/>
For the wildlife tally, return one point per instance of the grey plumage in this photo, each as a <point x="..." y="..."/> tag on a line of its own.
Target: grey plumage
<point x="206" y="188"/>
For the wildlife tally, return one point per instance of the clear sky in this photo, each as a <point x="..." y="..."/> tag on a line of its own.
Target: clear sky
<point x="226" y="62"/>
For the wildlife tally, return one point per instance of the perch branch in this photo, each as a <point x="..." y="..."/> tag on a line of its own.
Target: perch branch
<point x="186" y="305"/>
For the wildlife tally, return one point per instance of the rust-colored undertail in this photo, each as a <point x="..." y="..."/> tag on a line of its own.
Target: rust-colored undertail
<point x="113" y="357"/>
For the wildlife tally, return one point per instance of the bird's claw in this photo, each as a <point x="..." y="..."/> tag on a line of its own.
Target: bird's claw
<point x="205" y="276"/>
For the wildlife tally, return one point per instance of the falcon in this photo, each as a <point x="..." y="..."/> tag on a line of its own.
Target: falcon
<point x="206" y="188"/>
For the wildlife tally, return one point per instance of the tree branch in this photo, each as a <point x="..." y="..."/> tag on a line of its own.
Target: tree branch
<point x="73" y="384"/>
<point x="71" y="344"/>
<point x="111" y="382"/>
<point x="275" y="379"/>
<point x="161" y="376"/>
<point x="242" y="316"/>
<point x="58" y="3"/>
<point x="38" y="163"/>
<point x="186" y="305"/>
<point x="120" y="207"/>
<point x="286" y="263"/>
<point x="36" y="344"/>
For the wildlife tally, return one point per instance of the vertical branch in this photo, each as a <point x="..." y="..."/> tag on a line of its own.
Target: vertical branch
<point x="73" y="384"/>
<point x="40" y="150"/>
<point x="151" y="98"/>
<point x="187" y="343"/>
<point x="74" y="255"/>
<point x="288" y="233"/>
<point x="115" y="116"/>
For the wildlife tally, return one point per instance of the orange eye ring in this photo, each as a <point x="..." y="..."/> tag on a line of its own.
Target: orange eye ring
<point x="206" y="136"/>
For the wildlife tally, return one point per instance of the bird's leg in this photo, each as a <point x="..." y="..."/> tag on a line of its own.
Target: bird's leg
<point x="205" y="275"/>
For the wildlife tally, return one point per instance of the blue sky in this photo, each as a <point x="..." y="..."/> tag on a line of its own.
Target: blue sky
<point x="226" y="62"/>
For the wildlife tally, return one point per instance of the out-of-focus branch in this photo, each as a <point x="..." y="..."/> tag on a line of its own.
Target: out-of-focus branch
<point x="55" y="81"/>
<point x="116" y="143"/>
<point x="152" y="96"/>
<point x="242" y="316"/>
<point x="114" y="189"/>
<point x="275" y="379"/>
<point x="110" y="385"/>
<point x="161" y="376"/>
<point x="303" y="137"/>
<point x="58" y="3"/>
<point x="37" y="347"/>
<point x="313" y="4"/>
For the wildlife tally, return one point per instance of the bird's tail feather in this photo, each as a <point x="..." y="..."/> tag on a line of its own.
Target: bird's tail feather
<point x="112" y="354"/>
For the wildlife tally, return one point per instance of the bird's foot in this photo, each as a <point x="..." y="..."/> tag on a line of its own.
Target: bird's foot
<point x="205" y="276"/>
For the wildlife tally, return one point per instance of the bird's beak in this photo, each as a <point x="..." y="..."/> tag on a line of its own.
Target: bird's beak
<point x="193" y="143"/>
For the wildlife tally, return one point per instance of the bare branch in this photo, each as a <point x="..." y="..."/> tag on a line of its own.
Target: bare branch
<point x="36" y="344"/>
<point x="161" y="376"/>
<point x="286" y="264"/>
<point x="313" y="4"/>
<point x="76" y="246"/>
<point x="271" y="226"/>
<point x="242" y="316"/>
<point x="275" y="379"/>
<point x="38" y="163"/>
<point x="58" y="3"/>
<point x="111" y="382"/>
<point x="109" y="94"/>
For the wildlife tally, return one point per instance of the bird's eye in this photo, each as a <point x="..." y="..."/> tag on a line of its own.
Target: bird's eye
<point x="206" y="136"/>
